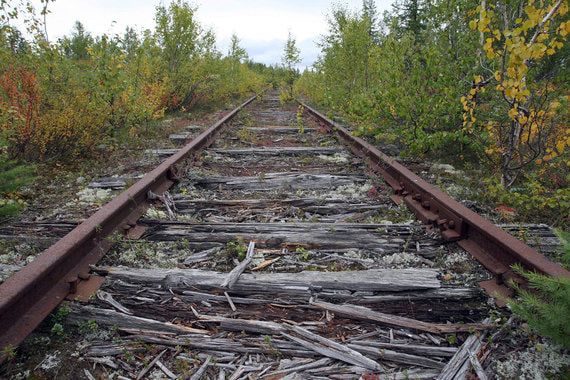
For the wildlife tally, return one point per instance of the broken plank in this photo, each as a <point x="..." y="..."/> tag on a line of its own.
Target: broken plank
<point x="200" y="372"/>
<point x="410" y="348"/>
<point x="363" y="313"/>
<point x="397" y="357"/>
<point x="350" y="357"/>
<point x="80" y="313"/>
<point x="459" y="363"/>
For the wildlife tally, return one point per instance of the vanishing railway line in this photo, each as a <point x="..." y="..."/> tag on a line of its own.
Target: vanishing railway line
<point x="338" y="281"/>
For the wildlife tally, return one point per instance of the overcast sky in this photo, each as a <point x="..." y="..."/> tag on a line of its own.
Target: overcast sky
<point x="262" y="26"/>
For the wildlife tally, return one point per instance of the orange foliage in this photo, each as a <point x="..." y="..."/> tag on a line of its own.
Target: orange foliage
<point x="20" y="104"/>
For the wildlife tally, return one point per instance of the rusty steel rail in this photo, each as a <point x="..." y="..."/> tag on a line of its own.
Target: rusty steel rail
<point x="28" y="296"/>
<point x="494" y="248"/>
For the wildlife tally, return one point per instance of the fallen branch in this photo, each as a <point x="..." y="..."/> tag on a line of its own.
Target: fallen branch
<point x="152" y="363"/>
<point x="330" y="348"/>
<point x="202" y="369"/>
<point x="233" y="276"/>
<point x="459" y="363"/>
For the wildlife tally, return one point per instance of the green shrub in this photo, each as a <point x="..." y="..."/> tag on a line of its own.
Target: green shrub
<point x="533" y="200"/>
<point x="545" y="306"/>
<point x="60" y="101"/>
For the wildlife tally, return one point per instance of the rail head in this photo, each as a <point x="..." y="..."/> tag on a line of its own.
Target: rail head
<point x="493" y="247"/>
<point x="29" y="295"/>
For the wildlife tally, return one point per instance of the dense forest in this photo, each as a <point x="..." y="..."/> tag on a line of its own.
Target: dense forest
<point x="478" y="84"/>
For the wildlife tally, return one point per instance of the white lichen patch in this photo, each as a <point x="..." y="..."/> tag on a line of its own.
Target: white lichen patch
<point x="457" y="191"/>
<point x="216" y="157"/>
<point x="445" y="168"/>
<point x="51" y="361"/>
<point x="158" y="214"/>
<point x="156" y="374"/>
<point x="137" y="257"/>
<point x="19" y="254"/>
<point x="98" y="335"/>
<point x="401" y="259"/>
<point x="457" y="262"/>
<point x="337" y="158"/>
<point x="22" y="375"/>
<point x="6" y="271"/>
<point x="146" y="255"/>
<point x="540" y="362"/>
<point x="90" y="196"/>
<point x="191" y="192"/>
<point x="154" y="213"/>
<point x="354" y="254"/>
<point x="257" y="259"/>
<point x="349" y="191"/>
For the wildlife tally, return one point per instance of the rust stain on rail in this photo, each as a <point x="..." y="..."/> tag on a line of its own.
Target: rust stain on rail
<point x="494" y="248"/>
<point x="28" y="296"/>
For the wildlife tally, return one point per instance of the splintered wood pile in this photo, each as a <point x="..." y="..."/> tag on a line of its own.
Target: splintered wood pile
<point x="278" y="256"/>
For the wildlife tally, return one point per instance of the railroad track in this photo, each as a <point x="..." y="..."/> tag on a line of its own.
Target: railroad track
<point x="339" y="280"/>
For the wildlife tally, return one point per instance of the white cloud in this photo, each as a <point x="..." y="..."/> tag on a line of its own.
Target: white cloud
<point x="262" y="26"/>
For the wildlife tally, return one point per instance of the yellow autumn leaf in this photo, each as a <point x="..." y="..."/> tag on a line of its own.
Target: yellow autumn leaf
<point x="564" y="28"/>
<point x="497" y="34"/>
<point x="527" y="25"/>
<point x="541" y="37"/>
